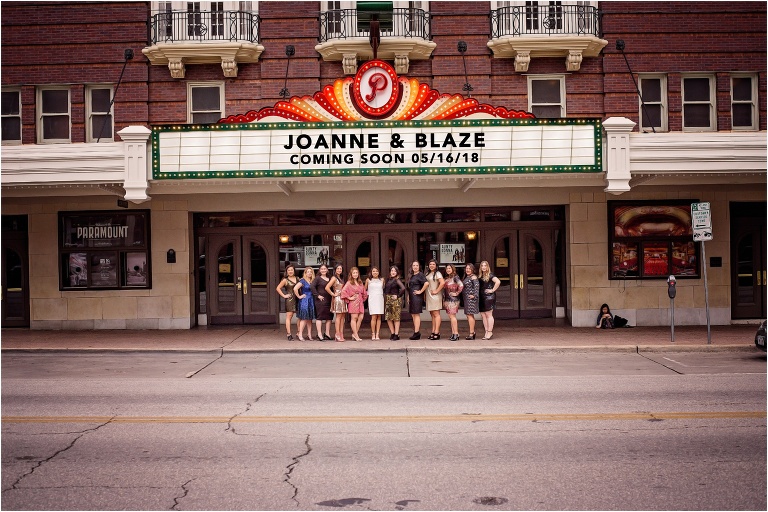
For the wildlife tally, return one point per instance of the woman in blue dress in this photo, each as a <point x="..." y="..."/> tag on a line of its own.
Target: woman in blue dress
<point x="306" y="306"/>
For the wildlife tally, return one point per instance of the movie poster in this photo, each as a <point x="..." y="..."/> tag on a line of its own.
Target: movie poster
<point x="136" y="269"/>
<point x="452" y="253"/>
<point x="316" y="255"/>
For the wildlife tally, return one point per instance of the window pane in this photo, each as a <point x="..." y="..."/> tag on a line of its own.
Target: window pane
<point x="56" y="127"/>
<point x="549" y="112"/>
<point x="207" y="118"/>
<point x="742" y="89"/>
<point x="696" y="89"/>
<point x="651" y="88"/>
<point x="742" y="114"/>
<point x="100" y="100"/>
<point x="56" y="102"/>
<point x="656" y="259"/>
<point x="11" y="128"/>
<point x="545" y="91"/>
<point x="101" y="127"/>
<point x="77" y="270"/>
<point x="683" y="258"/>
<point x="10" y="103"/>
<point x="205" y="98"/>
<point x="651" y="116"/>
<point x="696" y="116"/>
<point x="624" y="260"/>
<point x="104" y="270"/>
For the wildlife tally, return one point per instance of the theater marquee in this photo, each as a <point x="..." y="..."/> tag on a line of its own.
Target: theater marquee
<point x="377" y="125"/>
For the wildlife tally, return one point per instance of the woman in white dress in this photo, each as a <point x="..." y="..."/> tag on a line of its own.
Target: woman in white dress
<point x="374" y="285"/>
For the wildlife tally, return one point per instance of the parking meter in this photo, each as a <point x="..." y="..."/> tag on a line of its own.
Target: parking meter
<point x="672" y="291"/>
<point x="671" y="288"/>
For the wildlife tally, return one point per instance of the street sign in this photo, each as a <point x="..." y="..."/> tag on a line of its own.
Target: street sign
<point x="701" y="218"/>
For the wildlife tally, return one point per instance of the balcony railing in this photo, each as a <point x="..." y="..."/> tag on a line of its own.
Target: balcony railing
<point x="545" y="20"/>
<point x="351" y="23"/>
<point x="183" y="26"/>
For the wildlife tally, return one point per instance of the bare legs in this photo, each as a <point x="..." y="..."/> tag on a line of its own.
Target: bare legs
<point x="340" y="319"/>
<point x="394" y="326"/>
<point x="319" y="327"/>
<point x="308" y="325"/>
<point x="435" y="322"/>
<point x="487" y="323"/>
<point x="288" y="318"/>
<point x="416" y="322"/>
<point x="375" y="326"/>
<point x="354" y="321"/>
<point x="471" y="322"/>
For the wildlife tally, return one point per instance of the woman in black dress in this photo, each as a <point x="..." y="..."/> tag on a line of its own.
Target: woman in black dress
<point x="471" y="294"/>
<point x="417" y="285"/>
<point x="322" y="303"/>
<point x="489" y="283"/>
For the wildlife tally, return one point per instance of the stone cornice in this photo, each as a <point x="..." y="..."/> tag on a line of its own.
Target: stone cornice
<point x="524" y="48"/>
<point x="177" y="55"/>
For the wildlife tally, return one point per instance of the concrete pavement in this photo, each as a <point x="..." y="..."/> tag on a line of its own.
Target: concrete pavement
<point x="509" y="335"/>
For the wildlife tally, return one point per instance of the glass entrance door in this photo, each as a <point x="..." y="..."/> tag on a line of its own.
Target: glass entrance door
<point x="15" y="298"/>
<point x="524" y="262"/>
<point x="240" y="276"/>
<point x="748" y="268"/>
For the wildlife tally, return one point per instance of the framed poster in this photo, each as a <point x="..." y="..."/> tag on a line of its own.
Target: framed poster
<point x="104" y="270"/>
<point x="316" y="255"/>
<point x="78" y="269"/>
<point x="452" y="253"/>
<point x="136" y="269"/>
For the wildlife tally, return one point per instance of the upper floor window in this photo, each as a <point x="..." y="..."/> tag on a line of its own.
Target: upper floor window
<point x="699" y="103"/>
<point x="205" y="102"/>
<point x="744" y="102"/>
<point x="54" y="113"/>
<point x="100" y="122"/>
<point x="546" y="96"/>
<point x="653" y="115"/>
<point x="11" y="116"/>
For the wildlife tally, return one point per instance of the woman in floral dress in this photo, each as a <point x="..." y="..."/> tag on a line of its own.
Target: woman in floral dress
<point x="451" y="298"/>
<point x="354" y="294"/>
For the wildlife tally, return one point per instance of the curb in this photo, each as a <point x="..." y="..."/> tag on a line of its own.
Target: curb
<point x="470" y="350"/>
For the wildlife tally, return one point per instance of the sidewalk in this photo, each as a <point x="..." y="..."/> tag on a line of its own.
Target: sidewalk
<point x="511" y="335"/>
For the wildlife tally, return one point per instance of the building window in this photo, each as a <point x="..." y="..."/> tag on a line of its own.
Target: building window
<point x="53" y="111"/>
<point x="546" y="96"/>
<point x="744" y="102"/>
<point x="194" y="20"/>
<point x="653" y="116"/>
<point x="100" y="126"/>
<point x="651" y="240"/>
<point x="206" y="102"/>
<point x="11" y="116"/>
<point x="217" y="20"/>
<point x="104" y="250"/>
<point x="699" y="103"/>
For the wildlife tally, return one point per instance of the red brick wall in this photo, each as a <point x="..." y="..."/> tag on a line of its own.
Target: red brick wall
<point x="678" y="37"/>
<point x="76" y="43"/>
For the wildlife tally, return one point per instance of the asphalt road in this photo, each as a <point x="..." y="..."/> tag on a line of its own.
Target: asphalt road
<point x="384" y="431"/>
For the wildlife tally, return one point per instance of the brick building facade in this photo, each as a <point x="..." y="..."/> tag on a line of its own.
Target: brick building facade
<point x="557" y="238"/>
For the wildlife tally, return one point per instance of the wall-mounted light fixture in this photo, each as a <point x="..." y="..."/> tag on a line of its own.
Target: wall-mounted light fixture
<point x="170" y="256"/>
<point x="289" y="52"/>
<point x="462" y="47"/>
<point x="471" y="235"/>
<point x="283" y="239"/>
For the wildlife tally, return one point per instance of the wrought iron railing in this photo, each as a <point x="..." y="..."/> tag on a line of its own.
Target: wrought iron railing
<point x="546" y="20"/>
<point x="180" y="26"/>
<point x="349" y="23"/>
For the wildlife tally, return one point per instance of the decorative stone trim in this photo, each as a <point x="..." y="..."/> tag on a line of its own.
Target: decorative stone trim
<point x="401" y="50"/>
<point x="178" y="55"/>
<point x="137" y="167"/>
<point x="524" y="48"/>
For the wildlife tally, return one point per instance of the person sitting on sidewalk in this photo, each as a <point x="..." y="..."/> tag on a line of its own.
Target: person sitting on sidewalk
<point x="604" y="318"/>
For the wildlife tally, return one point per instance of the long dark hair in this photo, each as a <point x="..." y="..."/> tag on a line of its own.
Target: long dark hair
<point x="411" y="274"/>
<point x="437" y="267"/>
<point x="389" y="275"/>
<point x="470" y="266"/>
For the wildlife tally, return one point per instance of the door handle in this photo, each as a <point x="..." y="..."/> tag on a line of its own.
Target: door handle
<point x="239" y="283"/>
<point x="515" y="281"/>
<point x="245" y="288"/>
<point x="758" y="279"/>
<point x="522" y="282"/>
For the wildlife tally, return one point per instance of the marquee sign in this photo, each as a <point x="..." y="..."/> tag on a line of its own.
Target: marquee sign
<point x="376" y="124"/>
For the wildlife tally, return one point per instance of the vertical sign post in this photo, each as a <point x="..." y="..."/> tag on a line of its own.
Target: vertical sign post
<point x="701" y="217"/>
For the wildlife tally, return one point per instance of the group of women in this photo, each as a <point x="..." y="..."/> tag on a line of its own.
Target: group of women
<point x="319" y="298"/>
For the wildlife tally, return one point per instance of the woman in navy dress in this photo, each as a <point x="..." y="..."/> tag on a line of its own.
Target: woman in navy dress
<point x="306" y="309"/>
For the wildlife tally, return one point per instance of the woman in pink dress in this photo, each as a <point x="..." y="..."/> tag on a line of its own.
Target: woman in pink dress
<point x="354" y="295"/>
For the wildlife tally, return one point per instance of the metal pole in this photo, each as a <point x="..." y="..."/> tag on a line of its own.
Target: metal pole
<point x="672" y="323"/>
<point x="706" y="291"/>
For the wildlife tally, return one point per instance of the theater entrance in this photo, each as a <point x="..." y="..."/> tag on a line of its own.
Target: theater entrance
<point x="241" y="281"/>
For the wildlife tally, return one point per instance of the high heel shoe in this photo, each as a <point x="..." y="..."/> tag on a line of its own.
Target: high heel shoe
<point x="415" y="336"/>
<point x="339" y="339"/>
<point x="434" y="336"/>
<point x="301" y="338"/>
<point x="454" y="337"/>
<point x="290" y="337"/>
<point x="310" y="338"/>
<point x="488" y="336"/>
<point x="471" y="336"/>
<point x="395" y="337"/>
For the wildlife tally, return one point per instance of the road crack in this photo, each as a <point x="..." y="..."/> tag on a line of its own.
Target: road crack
<point x="247" y="408"/>
<point x="292" y="466"/>
<point x="82" y="433"/>
<point x="186" y="491"/>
